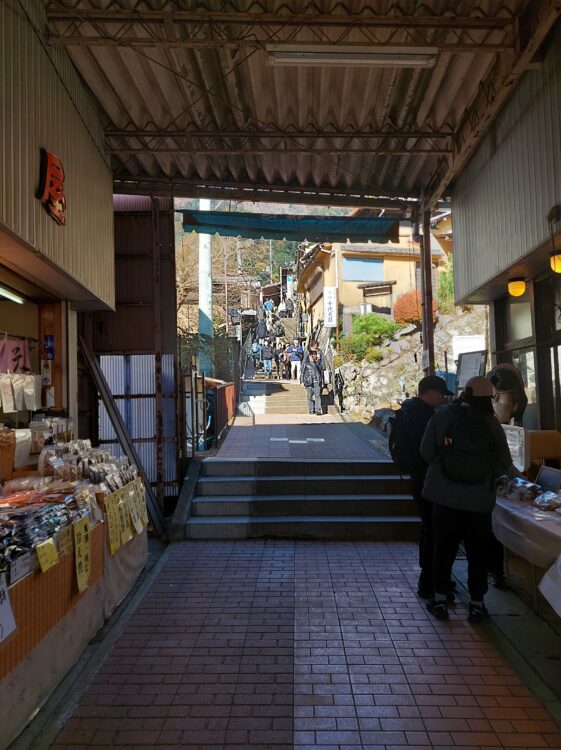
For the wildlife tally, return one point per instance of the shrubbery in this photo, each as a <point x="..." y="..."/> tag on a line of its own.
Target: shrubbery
<point x="369" y="332"/>
<point x="445" y="290"/>
<point x="408" y="308"/>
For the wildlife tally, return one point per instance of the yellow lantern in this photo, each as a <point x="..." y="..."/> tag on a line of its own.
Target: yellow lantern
<point x="516" y="287"/>
<point x="555" y="262"/>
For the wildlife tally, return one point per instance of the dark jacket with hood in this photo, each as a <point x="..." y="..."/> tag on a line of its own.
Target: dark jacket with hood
<point x="416" y="415"/>
<point x="439" y="488"/>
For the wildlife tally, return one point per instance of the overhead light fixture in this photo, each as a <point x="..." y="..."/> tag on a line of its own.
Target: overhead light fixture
<point x="313" y="55"/>
<point x="516" y="287"/>
<point x="10" y="295"/>
<point x="555" y="262"/>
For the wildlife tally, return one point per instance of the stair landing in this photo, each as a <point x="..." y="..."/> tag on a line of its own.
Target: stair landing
<point x="301" y="436"/>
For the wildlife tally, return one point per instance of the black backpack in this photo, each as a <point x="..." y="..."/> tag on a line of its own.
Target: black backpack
<point x="399" y="444"/>
<point x="467" y="451"/>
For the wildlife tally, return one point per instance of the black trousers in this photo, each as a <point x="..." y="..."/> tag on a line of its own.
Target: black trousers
<point x="426" y="549"/>
<point x="426" y="546"/>
<point x="495" y="558"/>
<point x="450" y="527"/>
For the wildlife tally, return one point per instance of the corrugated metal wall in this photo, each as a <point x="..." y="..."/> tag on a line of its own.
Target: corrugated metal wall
<point x="132" y="382"/>
<point x="44" y="104"/>
<point x="501" y="200"/>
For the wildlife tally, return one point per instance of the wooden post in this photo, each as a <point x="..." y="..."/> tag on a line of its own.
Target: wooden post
<point x="426" y="275"/>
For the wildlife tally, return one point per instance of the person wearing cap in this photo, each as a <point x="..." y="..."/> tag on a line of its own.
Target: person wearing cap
<point x="417" y="411"/>
<point x="463" y="439"/>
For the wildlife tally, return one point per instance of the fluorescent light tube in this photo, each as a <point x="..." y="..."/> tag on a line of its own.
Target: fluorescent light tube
<point x="346" y="56"/>
<point x="10" y="295"/>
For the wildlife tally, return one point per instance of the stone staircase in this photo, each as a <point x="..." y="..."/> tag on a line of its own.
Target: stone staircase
<point x="278" y="397"/>
<point x="302" y="499"/>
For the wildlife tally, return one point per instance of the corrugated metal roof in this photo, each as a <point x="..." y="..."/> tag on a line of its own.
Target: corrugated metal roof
<point x="178" y="93"/>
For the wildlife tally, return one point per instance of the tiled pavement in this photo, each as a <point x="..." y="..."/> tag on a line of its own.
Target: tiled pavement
<point x="298" y="645"/>
<point x="273" y="436"/>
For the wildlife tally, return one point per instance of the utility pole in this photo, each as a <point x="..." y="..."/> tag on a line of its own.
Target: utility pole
<point x="271" y="259"/>
<point x="238" y="255"/>
<point x="206" y="364"/>
<point x="426" y="275"/>
<point x="226" y="284"/>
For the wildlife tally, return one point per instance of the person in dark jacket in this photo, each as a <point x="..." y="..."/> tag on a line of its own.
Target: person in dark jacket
<point x="312" y="380"/>
<point x="462" y="510"/>
<point x="267" y="357"/>
<point x="314" y="347"/>
<point x="417" y="411"/>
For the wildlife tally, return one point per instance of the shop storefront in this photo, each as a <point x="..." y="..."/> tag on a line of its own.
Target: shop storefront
<point x="507" y="236"/>
<point x="72" y="517"/>
<point x="506" y="229"/>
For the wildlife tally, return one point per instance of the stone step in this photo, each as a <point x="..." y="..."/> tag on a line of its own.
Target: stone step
<point x="372" y="528"/>
<point x="308" y="485"/>
<point x="304" y="505"/>
<point x="314" y="467"/>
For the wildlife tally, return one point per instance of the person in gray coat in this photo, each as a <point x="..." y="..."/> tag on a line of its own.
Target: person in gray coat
<point x="466" y="451"/>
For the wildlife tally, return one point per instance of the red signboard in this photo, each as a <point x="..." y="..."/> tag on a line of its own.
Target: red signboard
<point x="51" y="191"/>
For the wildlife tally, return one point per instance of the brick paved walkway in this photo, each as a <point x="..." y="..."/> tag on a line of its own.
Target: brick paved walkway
<point x="301" y="644"/>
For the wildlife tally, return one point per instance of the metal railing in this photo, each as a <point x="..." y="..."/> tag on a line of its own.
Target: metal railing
<point x="224" y="408"/>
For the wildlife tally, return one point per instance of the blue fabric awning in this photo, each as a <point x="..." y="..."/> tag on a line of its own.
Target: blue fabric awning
<point x="300" y="228"/>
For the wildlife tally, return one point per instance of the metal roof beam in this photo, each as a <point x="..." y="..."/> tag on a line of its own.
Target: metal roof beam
<point x="534" y="25"/>
<point x="115" y="12"/>
<point x="277" y="151"/>
<point x="281" y="133"/>
<point x="235" y="30"/>
<point x="240" y="191"/>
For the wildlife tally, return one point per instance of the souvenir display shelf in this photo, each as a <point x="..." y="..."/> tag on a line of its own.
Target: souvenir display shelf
<point x="72" y="545"/>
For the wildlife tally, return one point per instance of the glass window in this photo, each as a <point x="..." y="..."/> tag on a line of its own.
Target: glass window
<point x="519" y="320"/>
<point x="525" y="361"/>
<point x="363" y="269"/>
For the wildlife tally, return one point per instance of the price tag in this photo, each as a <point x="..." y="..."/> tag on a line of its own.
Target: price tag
<point x="47" y="555"/>
<point x="20" y="567"/>
<point x="65" y="543"/>
<point x="83" y="557"/>
<point x="134" y="509"/>
<point x="7" y="621"/>
<point x="127" y="532"/>
<point x="113" y="523"/>
<point x="141" y="499"/>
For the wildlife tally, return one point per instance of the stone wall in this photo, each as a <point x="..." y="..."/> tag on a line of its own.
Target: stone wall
<point x="370" y="386"/>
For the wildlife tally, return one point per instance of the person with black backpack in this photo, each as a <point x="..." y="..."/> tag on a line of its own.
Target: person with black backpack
<point x="466" y="451"/>
<point x="407" y="428"/>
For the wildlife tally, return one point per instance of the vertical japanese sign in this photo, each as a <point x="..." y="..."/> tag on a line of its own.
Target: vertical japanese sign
<point x="113" y="523"/>
<point x="7" y="621"/>
<point x="51" y="190"/>
<point x="83" y="552"/>
<point x="330" y="307"/>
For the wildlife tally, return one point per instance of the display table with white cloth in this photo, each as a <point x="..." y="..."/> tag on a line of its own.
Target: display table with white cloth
<point x="534" y="535"/>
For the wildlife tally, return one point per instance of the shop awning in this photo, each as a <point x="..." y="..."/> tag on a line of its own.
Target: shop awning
<point x="300" y="228"/>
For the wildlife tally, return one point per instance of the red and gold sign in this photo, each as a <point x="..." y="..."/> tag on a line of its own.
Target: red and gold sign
<point x="51" y="191"/>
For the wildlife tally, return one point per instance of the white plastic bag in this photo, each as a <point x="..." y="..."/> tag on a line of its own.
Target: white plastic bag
<point x="17" y="387"/>
<point x="7" y="393"/>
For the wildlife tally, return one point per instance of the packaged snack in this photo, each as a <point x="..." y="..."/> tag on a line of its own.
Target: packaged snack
<point x="548" y="501"/>
<point x="518" y="489"/>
